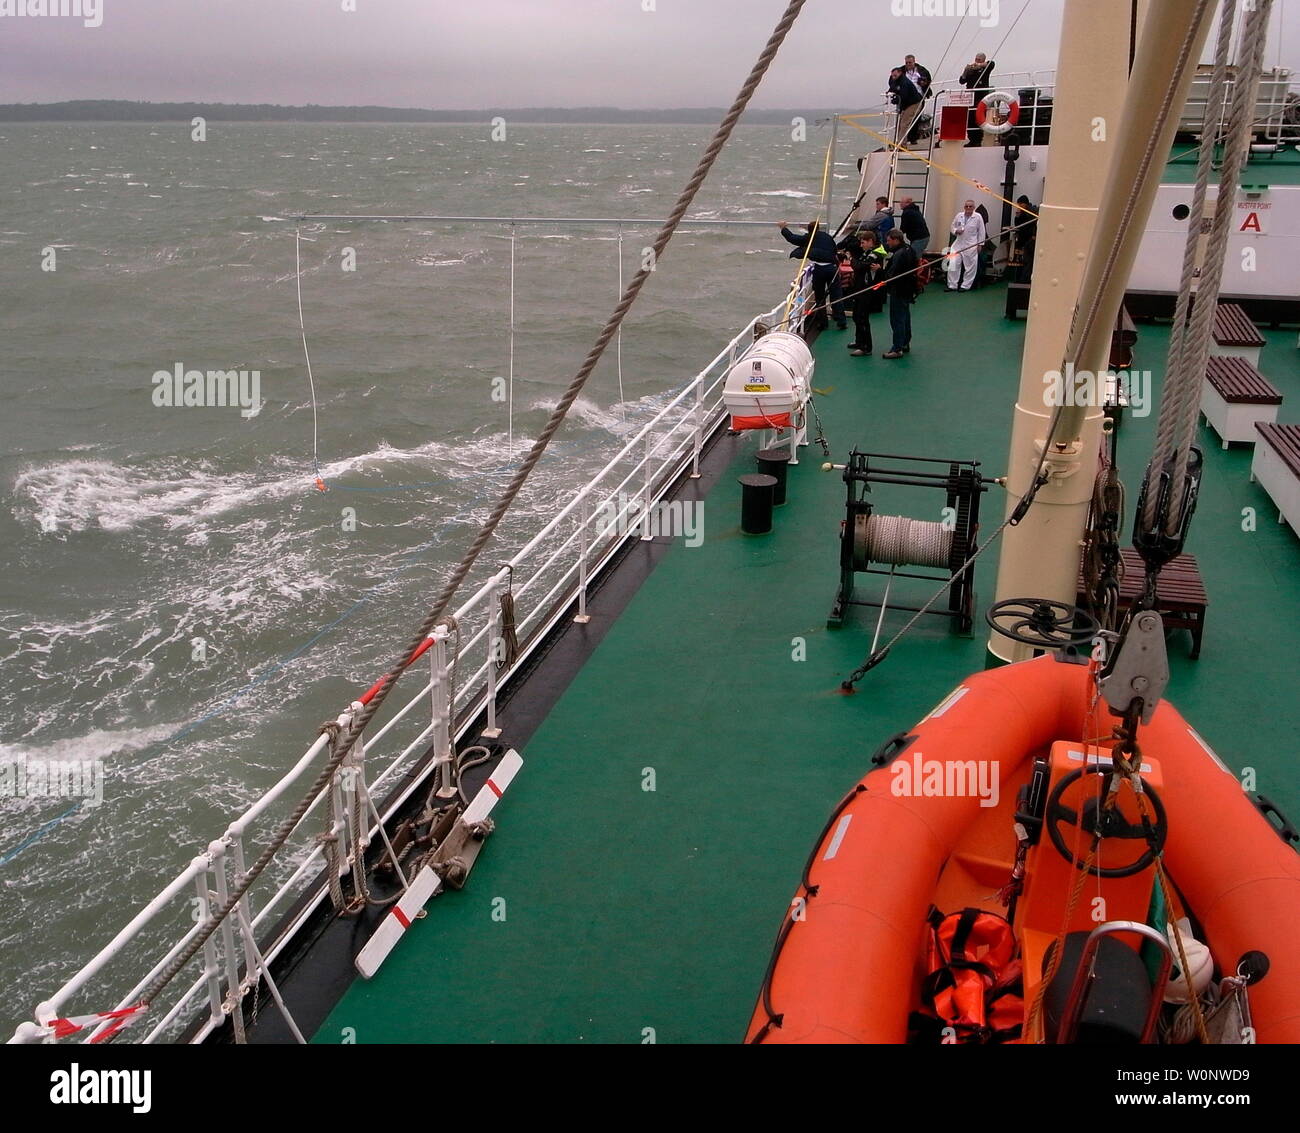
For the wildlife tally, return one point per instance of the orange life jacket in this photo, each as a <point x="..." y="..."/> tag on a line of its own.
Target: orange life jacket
<point x="973" y="978"/>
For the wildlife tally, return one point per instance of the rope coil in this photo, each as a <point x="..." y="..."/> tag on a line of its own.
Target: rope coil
<point x="901" y="541"/>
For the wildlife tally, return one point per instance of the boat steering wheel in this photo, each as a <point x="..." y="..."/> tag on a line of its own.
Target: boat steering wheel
<point x="1113" y="825"/>
<point x="1042" y="622"/>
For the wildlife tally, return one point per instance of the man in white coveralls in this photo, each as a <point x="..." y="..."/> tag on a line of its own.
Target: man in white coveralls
<point x="968" y="235"/>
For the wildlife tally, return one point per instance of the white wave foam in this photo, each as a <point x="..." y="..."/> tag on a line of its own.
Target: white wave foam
<point x="80" y="495"/>
<point x="97" y="744"/>
<point x="792" y="193"/>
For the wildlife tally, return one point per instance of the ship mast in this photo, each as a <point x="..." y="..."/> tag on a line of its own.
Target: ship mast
<point x="1104" y="121"/>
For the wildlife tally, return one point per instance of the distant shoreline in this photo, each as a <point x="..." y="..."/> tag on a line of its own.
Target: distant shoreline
<point x="111" y="110"/>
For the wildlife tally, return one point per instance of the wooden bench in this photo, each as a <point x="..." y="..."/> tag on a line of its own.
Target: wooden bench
<point x="1181" y="599"/>
<point x="1123" y="337"/>
<point x="1234" y="396"/>
<point x="1276" y="465"/>
<point x="1017" y="299"/>
<point x="1235" y="334"/>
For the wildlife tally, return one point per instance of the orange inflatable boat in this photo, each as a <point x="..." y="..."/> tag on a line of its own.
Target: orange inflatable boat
<point x="1089" y="896"/>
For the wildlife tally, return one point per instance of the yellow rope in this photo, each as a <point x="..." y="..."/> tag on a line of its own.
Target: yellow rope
<point x="826" y="175"/>
<point x="934" y="164"/>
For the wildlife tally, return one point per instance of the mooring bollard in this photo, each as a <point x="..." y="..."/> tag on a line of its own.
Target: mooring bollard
<point x="756" y="494"/>
<point x="775" y="462"/>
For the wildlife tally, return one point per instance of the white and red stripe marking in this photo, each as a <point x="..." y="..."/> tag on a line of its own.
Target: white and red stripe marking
<point x="426" y="883"/>
<point x="947" y="702"/>
<point x="75" y="1024"/>
<point x="493" y="789"/>
<point x="393" y="927"/>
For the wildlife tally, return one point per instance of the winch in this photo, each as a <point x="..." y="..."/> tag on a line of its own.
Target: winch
<point x="875" y="543"/>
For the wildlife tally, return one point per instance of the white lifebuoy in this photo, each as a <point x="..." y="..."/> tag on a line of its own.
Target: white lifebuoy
<point x="997" y="112"/>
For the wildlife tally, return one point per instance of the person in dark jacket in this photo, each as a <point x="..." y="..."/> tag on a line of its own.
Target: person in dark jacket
<point x="899" y="279"/>
<point x="867" y="259"/>
<point x="919" y="76"/>
<point x="986" y="251"/>
<point x="913" y="226"/>
<point x="1026" y="221"/>
<point x="977" y="78"/>
<point x="823" y="256"/>
<point x="882" y="220"/>
<point x="906" y="96"/>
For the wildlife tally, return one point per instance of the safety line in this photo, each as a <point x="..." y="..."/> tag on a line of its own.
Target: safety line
<point x="935" y="165"/>
<point x="794" y="287"/>
<point x="311" y="381"/>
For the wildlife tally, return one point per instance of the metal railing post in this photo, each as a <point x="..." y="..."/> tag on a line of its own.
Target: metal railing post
<point x="245" y="905"/>
<point x="646" y="526"/>
<point x="234" y="989"/>
<point x="339" y="829"/>
<point x="494" y="647"/>
<point x="582" y="617"/>
<point x="441" y="696"/>
<point x="355" y="764"/>
<point x="698" y="442"/>
<point x="211" y="969"/>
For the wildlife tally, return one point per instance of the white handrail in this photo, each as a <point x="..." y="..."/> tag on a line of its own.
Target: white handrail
<point x="691" y="414"/>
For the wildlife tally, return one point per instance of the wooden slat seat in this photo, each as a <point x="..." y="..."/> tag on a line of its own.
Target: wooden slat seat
<point x="1238" y="382"/>
<point x="1235" y="396"/>
<point x="1181" y="598"/>
<point x="1276" y="465"/>
<point x="1285" y="440"/>
<point x="1233" y="327"/>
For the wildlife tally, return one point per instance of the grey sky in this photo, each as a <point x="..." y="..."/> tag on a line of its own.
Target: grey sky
<point x="467" y="54"/>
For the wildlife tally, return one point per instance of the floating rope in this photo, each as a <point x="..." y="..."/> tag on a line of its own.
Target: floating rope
<point x="618" y="345"/>
<point x="357" y="725"/>
<point x="311" y="381"/>
<point x="510" y="382"/>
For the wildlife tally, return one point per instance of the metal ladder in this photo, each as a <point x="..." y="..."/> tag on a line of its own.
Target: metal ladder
<point x="909" y="176"/>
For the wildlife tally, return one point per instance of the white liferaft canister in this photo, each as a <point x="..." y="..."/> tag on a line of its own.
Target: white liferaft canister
<point x="768" y="386"/>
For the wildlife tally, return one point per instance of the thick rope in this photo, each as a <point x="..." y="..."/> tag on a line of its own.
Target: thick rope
<point x="1197" y="348"/>
<point x="458" y="575"/>
<point x="1174" y="393"/>
<point x="1080" y="333"/>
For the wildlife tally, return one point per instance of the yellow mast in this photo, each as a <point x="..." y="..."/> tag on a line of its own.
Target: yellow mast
<point x="1103" y="122"/>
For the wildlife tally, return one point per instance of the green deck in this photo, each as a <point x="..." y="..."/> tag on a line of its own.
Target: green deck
<point x="1281" y="168"/>
<point x="627" y="910"/>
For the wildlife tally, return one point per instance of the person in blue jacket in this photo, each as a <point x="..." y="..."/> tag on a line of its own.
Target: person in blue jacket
<point x="824" y="258"/>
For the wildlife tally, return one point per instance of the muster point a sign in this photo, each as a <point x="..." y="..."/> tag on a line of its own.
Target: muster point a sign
<point x="1252" y="216"/>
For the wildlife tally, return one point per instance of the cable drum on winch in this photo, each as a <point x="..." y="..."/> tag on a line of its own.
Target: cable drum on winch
<point x="900" y="541"/>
